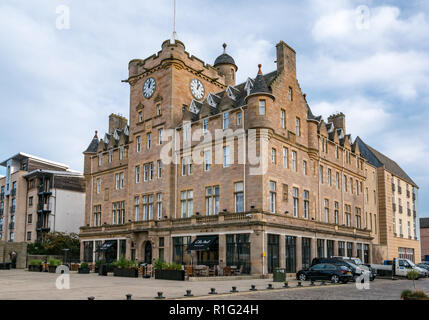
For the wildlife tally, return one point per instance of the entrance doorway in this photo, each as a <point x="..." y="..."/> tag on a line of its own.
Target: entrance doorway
<point x="148" y="252"/>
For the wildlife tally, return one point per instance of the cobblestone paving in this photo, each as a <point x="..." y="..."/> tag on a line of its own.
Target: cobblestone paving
<point x="20" y="284"/>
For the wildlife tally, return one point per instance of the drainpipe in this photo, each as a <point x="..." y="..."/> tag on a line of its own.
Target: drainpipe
<point x="263" y="252"/>
<point x="244" y="159"/>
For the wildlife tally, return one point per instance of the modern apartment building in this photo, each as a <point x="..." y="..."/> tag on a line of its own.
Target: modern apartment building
<point x="424" y="238"/>
<point x="155" y="190"/>
<point x="397" y="208"/>
<point x="39" y="196"/>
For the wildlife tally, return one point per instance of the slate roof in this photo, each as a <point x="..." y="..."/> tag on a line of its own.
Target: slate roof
<point x="92" y="148"/>
<point x="378" y="159"/>
<point x="116" y="136"/>
<point x="224" y="59"/>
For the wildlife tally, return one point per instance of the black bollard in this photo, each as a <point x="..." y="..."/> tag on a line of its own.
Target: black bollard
<point x="253" y="288"/>
<point x="270" y="286"/>
<point x="189" y="293"/>
<point x="212" y="291"/>
<point x="323" y="283"/>
<point x="286" y="285"/>
<point x="128" y="296"/>
<point x="299" y="284"/>
<point x="160" y="296"/>
<point x="234" y="289"/>
<point x="91" y="298"/>
<point x="312" y="283"/>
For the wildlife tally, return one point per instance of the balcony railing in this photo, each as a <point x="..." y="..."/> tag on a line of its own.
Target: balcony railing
<point x="12" y="209"/>
<point x="12" y="225"/>
<point x="400" y="209"/>
<point x="44" y="207"/>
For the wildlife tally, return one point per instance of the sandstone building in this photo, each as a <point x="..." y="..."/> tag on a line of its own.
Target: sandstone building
<point x="39" y="196"/>
<point x="309" y="202"/>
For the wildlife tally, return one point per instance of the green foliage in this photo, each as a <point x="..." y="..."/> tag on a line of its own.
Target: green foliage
<point x="124" y="263"/>
<point x="412" y="275"/>
<point x="54" y="262"/>
<point x="35" y="262"/>
<point x="415" y="295"/>
<point x="84" y="265"/>
<point x="54" y="243"/>
<point x="98" y="263"/>
<point x="161" y="265"/>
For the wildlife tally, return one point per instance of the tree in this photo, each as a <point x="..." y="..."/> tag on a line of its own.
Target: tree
<point x="54" y="243"/>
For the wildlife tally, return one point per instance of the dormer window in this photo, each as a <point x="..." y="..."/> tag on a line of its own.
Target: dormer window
<point x="230" y="93"/>
<point x="248" y="86"/>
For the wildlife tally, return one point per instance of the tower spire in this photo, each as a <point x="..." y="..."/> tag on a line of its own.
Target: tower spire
<point x="174" y="27"/>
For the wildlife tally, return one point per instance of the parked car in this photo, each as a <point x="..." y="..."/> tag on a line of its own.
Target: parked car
<point x="358" y="262"/>
<point x="356" y="271"/>
<point x="326" y="271"/>
<point x="423" y="265"/>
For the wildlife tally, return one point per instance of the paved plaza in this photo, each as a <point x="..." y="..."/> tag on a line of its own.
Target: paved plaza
<point x="20" y="284"/>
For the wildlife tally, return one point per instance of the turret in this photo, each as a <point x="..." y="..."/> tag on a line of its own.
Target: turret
<point x="226" y="67"/>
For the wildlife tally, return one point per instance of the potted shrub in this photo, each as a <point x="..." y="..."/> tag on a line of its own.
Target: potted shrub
<point x="35" y="265"/>
<point x="168" y="271"/>
<point x="125" y="268"/>
<point x="84" y="268"/>
<point x="53" y="264"/>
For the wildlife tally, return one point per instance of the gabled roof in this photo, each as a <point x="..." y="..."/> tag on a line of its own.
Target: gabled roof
<point x="378" y="159"/>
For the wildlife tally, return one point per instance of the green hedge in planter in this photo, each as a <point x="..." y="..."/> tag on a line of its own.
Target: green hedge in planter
<point x="35" y="265"/>
<point x="53" y="264"/>
<point x="125" y="268"/>
<point x="84" y="268"/>
<point x="168" y="271"/>
<point x="414" y="295"/>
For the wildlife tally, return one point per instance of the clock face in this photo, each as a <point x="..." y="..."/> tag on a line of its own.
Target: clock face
<point x="149" y="88"/>
<point x="197" y="89"/>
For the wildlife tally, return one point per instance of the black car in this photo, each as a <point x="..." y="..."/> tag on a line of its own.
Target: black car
<point x="356" y="271"/>
<point x="326" y="271"/>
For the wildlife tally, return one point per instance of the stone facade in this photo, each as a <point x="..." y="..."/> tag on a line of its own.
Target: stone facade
<point x="309" y="202"/>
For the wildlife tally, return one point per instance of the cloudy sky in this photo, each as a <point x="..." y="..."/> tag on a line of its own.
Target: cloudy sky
<point x="369" y="59"/>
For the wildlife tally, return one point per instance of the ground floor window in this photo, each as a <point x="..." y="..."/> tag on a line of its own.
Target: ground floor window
<point x="273" y="252"/>
<point x="180" y="245"/>
<point x="306" y="249"/>
<point x="330" y="248"/>
<point x="349" y="249"/>
<point x="88" y="250"/>
<point x="122" y="248"/>
<point x="359" y="251"/>
<point x="406" y="253"/>
<point x="341" y="249"/>
<point x="290" y="254"/>
<point x="111" y="253"/>
<point x="320" y="248"/>
<point x="161" y="249"/>
<point x="238" y="251"/>
<point x="366" y="253"/>
<point x="98" y="254"/>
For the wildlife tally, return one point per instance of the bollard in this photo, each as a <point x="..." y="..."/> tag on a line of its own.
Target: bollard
<point x="299" y="284"/>
<point x="160" y="296"/>
<point x="91" y="298"/>
<point x="286" y="285"/>
<point x="212" y="291"/>
<point x="234" y="289"/>
<point x="312" y="283"/>
<point x="253" y="288"/>
<point x="323" y="283"/>
<point x="128" y="296"/>
<point x="270" y="286"/>
<point x="189" y="293"/>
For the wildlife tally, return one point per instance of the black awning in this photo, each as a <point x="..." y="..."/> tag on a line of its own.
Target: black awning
<point x="202" y="243"/>
<point x="105" y="246"/>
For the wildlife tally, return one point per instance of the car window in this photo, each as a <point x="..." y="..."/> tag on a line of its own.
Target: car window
<point x="329" y="267"/>
<point x="401" y="263"/>
<point x="318" y="267"/>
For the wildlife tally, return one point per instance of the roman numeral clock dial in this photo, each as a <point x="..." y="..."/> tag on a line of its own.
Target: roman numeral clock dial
<point x="197" y="89"/>
<point x="149" y="88"/>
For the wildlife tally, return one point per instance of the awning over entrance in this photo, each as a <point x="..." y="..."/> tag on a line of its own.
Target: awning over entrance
<point x="105" y="246"/>
<point x="202" y="243"/>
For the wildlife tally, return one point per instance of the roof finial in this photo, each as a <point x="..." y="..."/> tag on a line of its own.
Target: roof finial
<point x="96" y="134"/>
<point x="260" y="70"/>
<point x="224" y="48"/>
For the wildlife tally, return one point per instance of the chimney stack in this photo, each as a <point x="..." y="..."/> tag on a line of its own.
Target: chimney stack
<point x="117" y="122"/>
<point x="286" y="59"/>
<point x="339" y="121"/>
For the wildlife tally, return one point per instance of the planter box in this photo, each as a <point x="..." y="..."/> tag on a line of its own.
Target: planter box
<point x="52" y="269"/>
<point x="126" y="272"/>
<point x="35" y="268"/>
<point x="5" y="266"/>
<point x="83" y="270"/>
<point x="178" y="275"/>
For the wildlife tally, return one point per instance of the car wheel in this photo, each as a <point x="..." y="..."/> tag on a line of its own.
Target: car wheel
<point x="335" y="279"/>
<point x="302" y="277"/>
